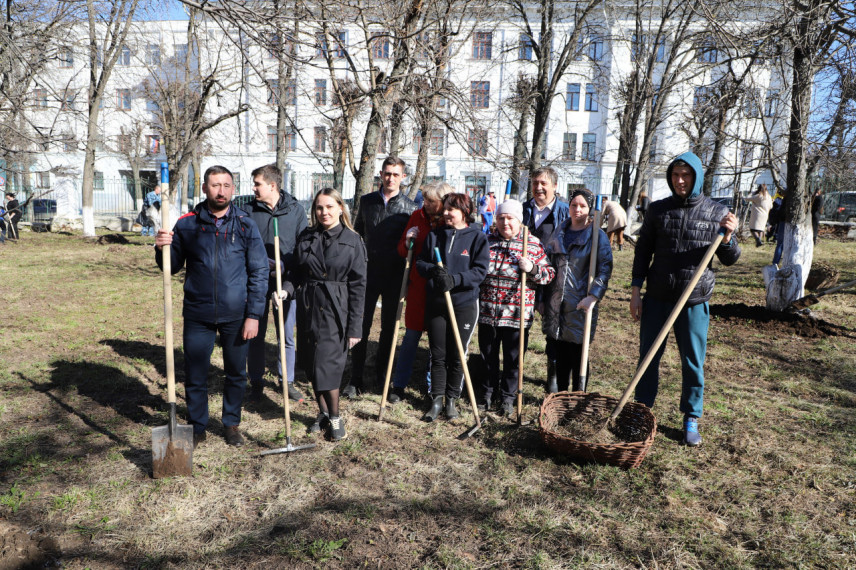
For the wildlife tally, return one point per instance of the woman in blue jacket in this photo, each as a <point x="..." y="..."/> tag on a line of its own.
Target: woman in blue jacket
<point x="466" y="255"/>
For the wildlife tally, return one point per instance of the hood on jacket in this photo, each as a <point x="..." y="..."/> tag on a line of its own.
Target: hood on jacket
<point x="693" y="162"/>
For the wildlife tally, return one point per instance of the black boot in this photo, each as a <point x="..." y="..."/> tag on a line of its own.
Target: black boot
<point x="451" y="411"/>
<point x="435" y="409"/>
<point x="552" y="384"/>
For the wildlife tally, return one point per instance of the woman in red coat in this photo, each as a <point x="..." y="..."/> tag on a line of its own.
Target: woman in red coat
<point x="422" y="221"/>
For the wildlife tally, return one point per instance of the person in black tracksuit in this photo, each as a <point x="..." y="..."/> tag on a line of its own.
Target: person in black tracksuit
<point x="465" y="254"/>
<point x="330" y="279"/>
<point x="381" y="220"/>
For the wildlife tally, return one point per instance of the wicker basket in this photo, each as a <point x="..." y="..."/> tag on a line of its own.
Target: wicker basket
<point x="634" y="419"/>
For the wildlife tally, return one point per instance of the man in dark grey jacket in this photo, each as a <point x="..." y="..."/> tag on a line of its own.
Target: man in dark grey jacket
<point x="675" y="235"/>
<point x="381" y="219"/>
<point x="273" y="204"/>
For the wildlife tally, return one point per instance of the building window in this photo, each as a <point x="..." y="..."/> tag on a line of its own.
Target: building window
<point x="417" y="141"/>
<point x="123" y="99"/>
<point x="69" y="144"/>
<point x="341" y="44"/>
<point x="589" y="140"/>
<point x="572" y="101"/>
<point x="639" y="49"/>
<point x="482" y="45"/>
<point x="66" y="57"/>
<point x="273" y="91"/>
<point x="43" y="179"/>
<point x="524" y="48"/>
<point x="290" y="138"/>
<point x="480" y="94"/>
<point x="124" y="56"/>
<point x="40" y="97"/>
<point x="771" y="103"/>
<point x="707" y="52"/>
<point x="380" y="45"/>
<point x="752" y="103"/>
<point x="595" y="49"/>
<point x="98" y="180"/>
<point x="320" y="139"/>
<point x="153" y="56"/>
<point x="320" y="92"/>
<point x="437" y="145"/>
<point x="152" y="106"/>
<point x="271" y="139"/>
<point x="423" y="46"/>
<point x="746" y="154"/>
<point x="701" y="97"/>
<point x="68" y="102"/>
<point x="320" y="44"/>
<point x="475" y="185"/>
<point x="591" y="98"/>
<point x="569" y="146"/>
<point x="477" y="142"/>
<point x="291" y="93"/>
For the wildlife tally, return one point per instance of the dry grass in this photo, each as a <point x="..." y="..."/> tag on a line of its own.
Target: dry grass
<point x="82" y="384"/>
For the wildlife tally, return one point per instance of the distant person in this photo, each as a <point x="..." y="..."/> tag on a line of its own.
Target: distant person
<point x="499" y="303"/>
<point x="816" y="211"/>
<point x="427" y="218"/>
<point x="567" y="299"/>
<point x="760" y="204"/>
<point x="675" y="235"/>
<point x="777" y="229"/>
<point x="152" y="205"/>
<point x="543" y="214"/>
<point x="381" y="219"/>
<point x="615" y="219"/>
<point x="272" y="204"/>
<point x="328" y="282"/>
<point x="487" y="206"/>
<point x="465" y="255"/>
<point x="225" y="283"/>
<point x="642" y="204"/>
<point x="13" y="214"/>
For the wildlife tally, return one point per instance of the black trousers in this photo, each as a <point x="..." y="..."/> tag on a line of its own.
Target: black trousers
<point x="447" y="372"/>
<point x="387" y="290"/>
<point x="568" y="358"/>
<point x="504" y="382"/>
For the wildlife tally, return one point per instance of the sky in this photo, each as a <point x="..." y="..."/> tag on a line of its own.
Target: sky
<point x="164" y="10"/>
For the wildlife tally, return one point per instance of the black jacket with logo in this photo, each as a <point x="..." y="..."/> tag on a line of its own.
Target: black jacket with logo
<point x="466" y="257"/>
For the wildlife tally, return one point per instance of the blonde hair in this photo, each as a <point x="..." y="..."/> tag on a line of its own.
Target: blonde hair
<point x="333" y="193"/>
<point x="436" y="190"/>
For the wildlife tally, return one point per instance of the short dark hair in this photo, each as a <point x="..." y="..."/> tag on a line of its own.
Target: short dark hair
<point x="460" y="202"/>
<point x="269" y="173"/>
<point x="217" y="169"/>
<point x="11" y="194"/>
<point x="393" y="161"/>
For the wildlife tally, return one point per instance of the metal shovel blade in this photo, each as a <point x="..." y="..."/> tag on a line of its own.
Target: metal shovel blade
<point x="172" y="456"/>
<point x="288" y="448"/>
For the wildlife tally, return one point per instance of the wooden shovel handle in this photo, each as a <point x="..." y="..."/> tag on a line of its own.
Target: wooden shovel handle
<point x="401" y="296"/>
<point x="673" y="316"/>
<point x="167" y="298"/>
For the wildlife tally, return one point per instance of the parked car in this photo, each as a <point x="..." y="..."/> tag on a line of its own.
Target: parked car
<point x="842" y="209"/>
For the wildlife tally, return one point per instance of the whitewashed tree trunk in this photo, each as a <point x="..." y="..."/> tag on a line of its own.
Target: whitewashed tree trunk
<point x="786" y="283"/>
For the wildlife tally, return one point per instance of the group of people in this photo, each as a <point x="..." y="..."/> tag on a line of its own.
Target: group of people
<point x="10" y="214"/>
<point x="335" y="272"/>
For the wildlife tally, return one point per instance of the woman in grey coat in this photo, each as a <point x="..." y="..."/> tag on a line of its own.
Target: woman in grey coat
<point x="567" y="298"/>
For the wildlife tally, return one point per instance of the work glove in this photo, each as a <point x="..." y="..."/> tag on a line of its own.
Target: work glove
<point x="441" y="280"/>
<point x="273" y="296"/>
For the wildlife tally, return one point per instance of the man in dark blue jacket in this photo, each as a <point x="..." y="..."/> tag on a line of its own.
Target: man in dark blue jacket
<point x="273" y="204"/>
<point x="224" y="292"/>
<point x="675" y="235"/>
<point x="543" y="214"/>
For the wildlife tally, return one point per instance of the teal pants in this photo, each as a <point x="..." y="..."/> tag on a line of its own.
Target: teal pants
<point x="690" y="330"/>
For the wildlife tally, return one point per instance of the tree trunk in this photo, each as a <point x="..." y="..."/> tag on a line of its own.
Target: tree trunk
<point x="89" y="175"/>
<point x="365" y="174"/>
<point x="421" y="157"/>
<point x="138" y="186"/>
<point x="519" y="159"/>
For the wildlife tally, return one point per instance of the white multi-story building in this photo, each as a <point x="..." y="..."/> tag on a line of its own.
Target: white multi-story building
<point x="471" y="148"/>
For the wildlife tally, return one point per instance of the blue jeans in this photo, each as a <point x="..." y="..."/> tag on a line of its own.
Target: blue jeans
<point x="198" y="345"/>
<point x="256" y="358"/>
<point x="690" y="330"/>
<point x="780" y="243"/>
<point x="406" y="356"/>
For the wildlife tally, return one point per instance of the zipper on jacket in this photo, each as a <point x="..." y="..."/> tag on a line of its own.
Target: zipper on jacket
<point x="451" y="243"/>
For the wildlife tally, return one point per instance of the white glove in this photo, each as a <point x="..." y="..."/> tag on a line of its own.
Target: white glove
<point x="274" y="298"/>
<point x="525" y="264"/>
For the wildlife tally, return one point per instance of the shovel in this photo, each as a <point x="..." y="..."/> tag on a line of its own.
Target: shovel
<point x="522" y="346"/>
<point x="172" y="444"/>
<point x="283" y="378"/>
<point x="595" y="235"/>
<point x="401" y="297"/>
<point x="462" y="354"/>
<point x="809" y="300"/>
<point x="673" y="316"/>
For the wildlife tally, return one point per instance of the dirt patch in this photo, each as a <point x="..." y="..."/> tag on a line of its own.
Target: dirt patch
<point x="21" y="549"/>
<point x="822" y="276"/>
<point x="774" y="323"/>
